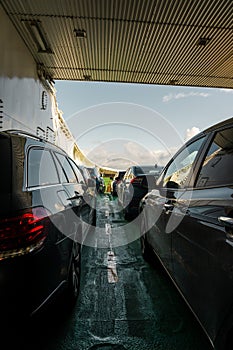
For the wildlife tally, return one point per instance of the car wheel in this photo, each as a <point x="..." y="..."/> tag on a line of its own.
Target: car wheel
<point x="145" y="249"/>
<point x="94" y="218"/>
<point x="126" y="215"/>
<point x="74" y="275"/>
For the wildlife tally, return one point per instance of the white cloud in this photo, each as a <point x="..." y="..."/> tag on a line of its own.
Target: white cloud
<point x="191" y="132"/>
<point x="132" y="153"/>
<point x="180" y="95"/>
<point x="167" y="98"/>
<point x="227" y="91"/>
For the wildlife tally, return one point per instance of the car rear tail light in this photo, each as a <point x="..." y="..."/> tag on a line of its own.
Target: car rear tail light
<point x="136" y="181"/>
<point x="24" y="232"/>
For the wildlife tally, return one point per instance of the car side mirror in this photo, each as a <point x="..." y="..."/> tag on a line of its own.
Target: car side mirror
<point x="172" y="184"/>
<point x="171" y="187"/>
<point x="169" y="190"/>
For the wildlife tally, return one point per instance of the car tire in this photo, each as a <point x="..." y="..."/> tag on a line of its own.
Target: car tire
<point x="126" y="215"/>
<point x="146" y="249"/>
<point x="94" y="218"/>
<point x="74" y="276"/>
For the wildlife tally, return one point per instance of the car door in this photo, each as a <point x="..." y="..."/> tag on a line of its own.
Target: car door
<point x="162" y="204"/>
<point x="44" y="186"/>
<point x="86" y="199"/>
<point x="75" y="197"/>
<point x="202" y="244"/>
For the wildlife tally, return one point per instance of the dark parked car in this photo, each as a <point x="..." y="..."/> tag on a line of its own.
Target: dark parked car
<point x="134" y="186"/>
<point x="120" y="174"/>
<point x="89" y="195"/>
<point x="187" y="221"/>
<point x="41" y="224"/>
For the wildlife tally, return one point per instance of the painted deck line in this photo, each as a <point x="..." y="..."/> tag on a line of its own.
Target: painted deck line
<point x="108" y="229"/>
<point x="111" y="266"/>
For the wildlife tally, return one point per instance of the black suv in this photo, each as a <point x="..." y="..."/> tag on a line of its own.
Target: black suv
<point x="187" y="221"/>
<point x="42" y="225"/>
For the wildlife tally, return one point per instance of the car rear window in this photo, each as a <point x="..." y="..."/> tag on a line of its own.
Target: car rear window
<point x="41" y="168"/>
<point x="66" y="168"/>
<point x="6" y="161"/>
<point x="77" y="172"/>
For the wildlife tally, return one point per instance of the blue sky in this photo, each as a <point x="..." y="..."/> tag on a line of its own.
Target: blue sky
<point x="118" y="124"/>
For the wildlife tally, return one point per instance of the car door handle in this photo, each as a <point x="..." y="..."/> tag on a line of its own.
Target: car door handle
<point x="77" y="196"/>
<point x="226" y="221"/>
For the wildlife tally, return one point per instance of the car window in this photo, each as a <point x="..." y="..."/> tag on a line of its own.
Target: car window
<point x="130" y="175"/>
<point x="77" y="172"/>
<point x="70" y="175"/>
<point x="85" y="173"/>
<point x="62" y="175"/>
<point x="126" y="174"/>
<point x="180" y="168"/>
<point x="41" y="168"/>
<point x="217" y="168"/>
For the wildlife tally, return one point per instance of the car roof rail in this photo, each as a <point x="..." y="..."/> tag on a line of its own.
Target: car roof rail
<point x="24" y="133"/>
<point x="36" y="137"/>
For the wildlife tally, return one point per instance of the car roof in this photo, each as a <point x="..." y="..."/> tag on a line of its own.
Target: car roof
<point x="27" y="135"/>
<point x="212" y="128"/>
<point x="219" y="125"/>
<point x="143" y="169"/>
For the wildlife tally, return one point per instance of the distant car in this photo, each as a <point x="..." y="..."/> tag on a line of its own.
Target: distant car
<point x="89" y="195"/>
<point x="114" y="185"/>
<point x="120" y="174"/>
<point x="187" y="221"/>
<point x="41" y="224"/>
<point x="134" y="186"/>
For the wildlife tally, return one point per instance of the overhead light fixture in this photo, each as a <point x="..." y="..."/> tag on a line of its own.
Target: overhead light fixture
<point x="203" y="41"/>
<point x="174" y="82"/>
<point x="80" y="33"/>
<point x="87" y="77"/>
<point x="36" y="31"/>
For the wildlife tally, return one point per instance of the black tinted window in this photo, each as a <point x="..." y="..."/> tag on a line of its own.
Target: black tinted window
<point x="77" y="172"/>
<point x="41" y="168"/>
<point x="61" y="172"/>
<point x="180" y="168"/>
<point x="70" y="175"/>
<point x="217" y="168"/>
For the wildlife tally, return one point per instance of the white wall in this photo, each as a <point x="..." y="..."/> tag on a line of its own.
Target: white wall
<point x="27" y="102"/>
<point x="21" y="92"/>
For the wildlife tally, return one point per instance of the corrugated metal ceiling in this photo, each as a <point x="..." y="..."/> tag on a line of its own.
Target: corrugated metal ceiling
<point x="138" y="41"/>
